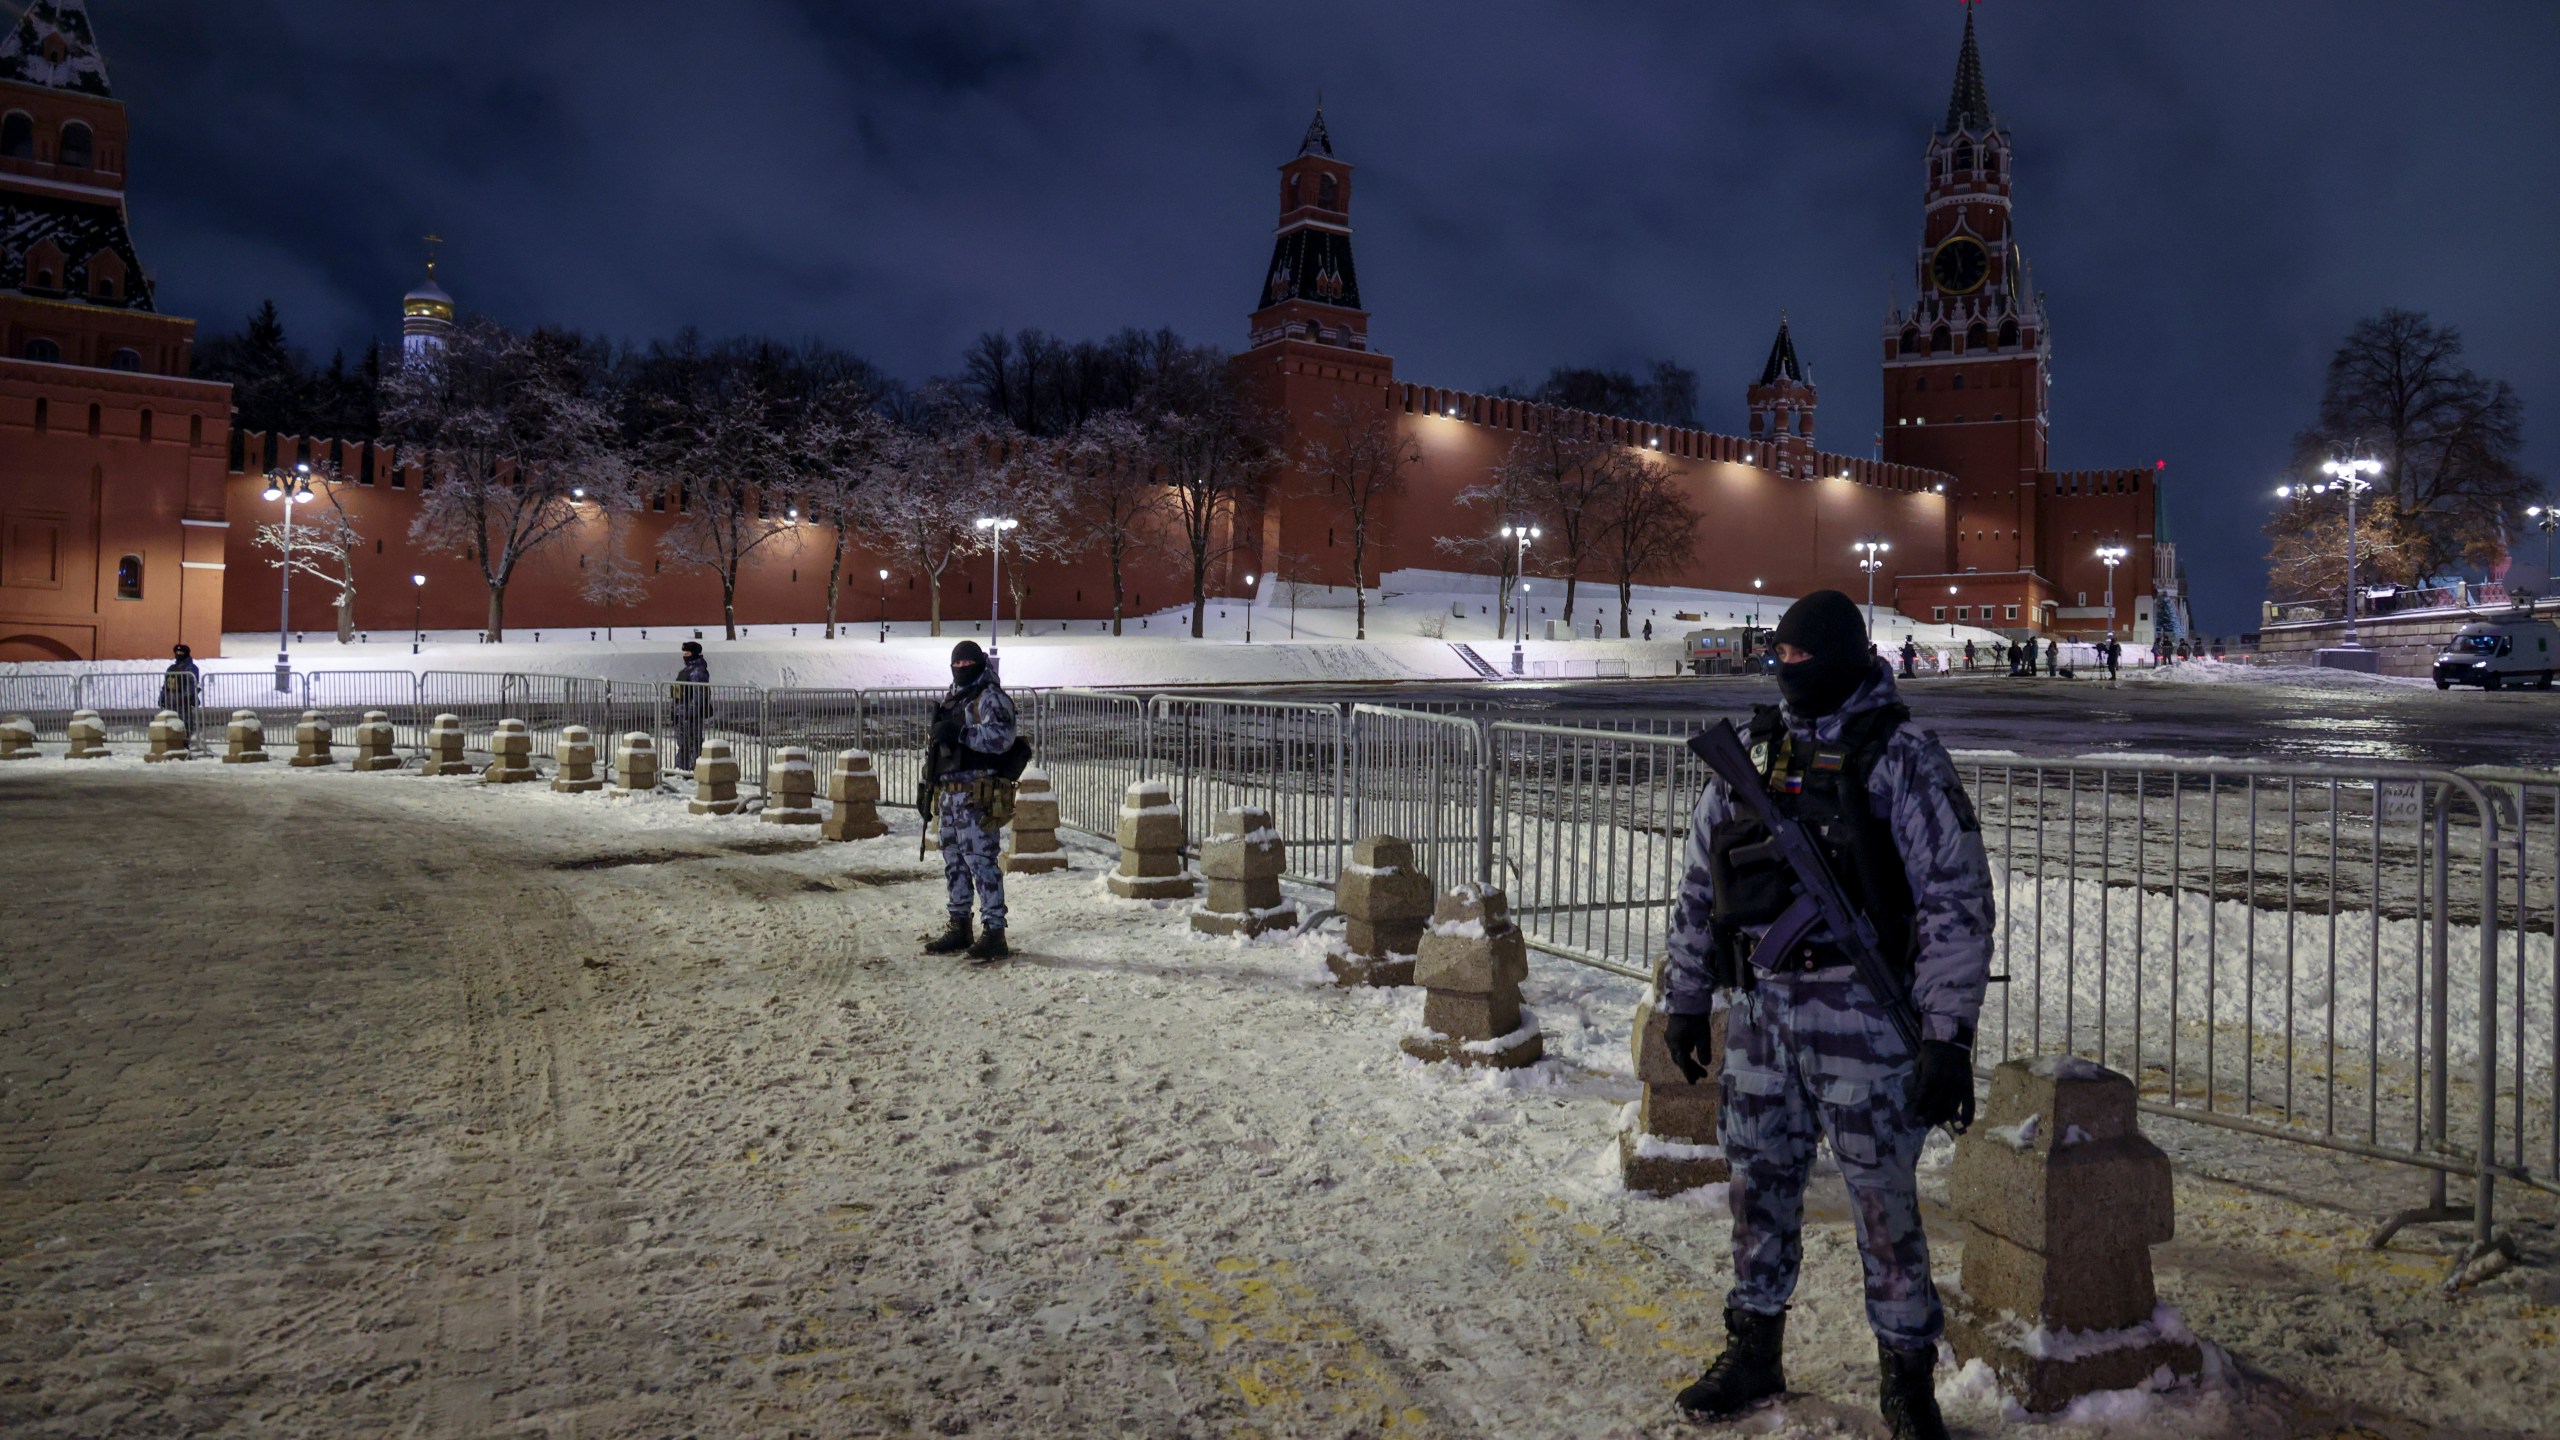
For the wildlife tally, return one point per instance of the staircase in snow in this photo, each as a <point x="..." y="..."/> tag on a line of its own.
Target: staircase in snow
<point x="1476" y="662"/>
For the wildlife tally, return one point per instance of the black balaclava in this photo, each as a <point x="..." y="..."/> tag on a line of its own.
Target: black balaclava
<point x="1824" y="625"/>
<point x="968" y="665"/>
<point x="692" y="650"/>
<point x="181" y="652"/>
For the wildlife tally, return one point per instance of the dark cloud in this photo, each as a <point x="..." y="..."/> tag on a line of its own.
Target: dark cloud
<point x="2210" y="193"/>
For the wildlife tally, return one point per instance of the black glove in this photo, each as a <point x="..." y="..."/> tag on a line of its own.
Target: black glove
<point x="1942" y="1085"/>
<point x="946" y="732"/>
<point x="1692" y="1041"/>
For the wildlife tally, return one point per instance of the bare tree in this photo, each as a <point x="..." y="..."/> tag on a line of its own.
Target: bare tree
<point x="1568" y="474"/>
<point x="715" y="425"/>
<point x="323" y="545"/>
<point x="614" y="580"/>
<point x="1211" y="449"/>
<point x="1032" y="484"/>
<point x="841" y="447"/>
<point x="1112" y="498"/>
<point x="503" y="428"/>
<point x="1649" y="526"/>
<point x="2307" y="548"/>
<point x="2451" y="440"/>
<point x="934" y="479"/>
<point x="1358" y="455"/>
<point x="1504" y="497"/>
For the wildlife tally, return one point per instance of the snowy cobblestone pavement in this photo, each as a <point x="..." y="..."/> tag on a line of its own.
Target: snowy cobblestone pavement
<point x="337" y="1105"/>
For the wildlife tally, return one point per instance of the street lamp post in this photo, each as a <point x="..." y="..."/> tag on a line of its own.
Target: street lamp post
<point x="2111" y="555"/>
<point x="1519" y="536"/>
<point x="995" y="526"/>
<point x="2348" y="476"/>
<point x="1871" y="559"/>
<point x="418" y="613"/>
<point x="298" y="494"/>
<point x="884" y="607"/>
<point x="2546" y="518"/>
<point x="1248" y="609"/>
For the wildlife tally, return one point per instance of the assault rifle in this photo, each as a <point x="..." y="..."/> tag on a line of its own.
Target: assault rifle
<point x="1819" y="898"/>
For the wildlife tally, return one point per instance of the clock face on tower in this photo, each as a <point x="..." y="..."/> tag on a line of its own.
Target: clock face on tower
<point x="1960" y="265"/>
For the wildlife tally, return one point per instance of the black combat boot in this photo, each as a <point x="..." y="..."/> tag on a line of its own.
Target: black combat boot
<point x="1745" y="1374"/>
<point x="951" y="941"/>
<point x="1910" y="1398"/>
<point x="990" y="945"/>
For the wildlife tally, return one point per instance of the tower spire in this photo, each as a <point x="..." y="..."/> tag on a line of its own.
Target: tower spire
<point x="1783" y="364"/>
<point x="1969" y="108"/>
<point x="1317" y="142"/>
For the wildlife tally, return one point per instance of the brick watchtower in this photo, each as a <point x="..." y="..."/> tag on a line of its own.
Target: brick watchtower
<point x="111" y="458"/>
<point x="1965" y="366"/>
<point x="1782" y="409"/>
<point x="1311" y="291"/>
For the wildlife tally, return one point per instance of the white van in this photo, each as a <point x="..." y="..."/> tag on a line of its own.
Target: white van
<point x="2490" y="653"/>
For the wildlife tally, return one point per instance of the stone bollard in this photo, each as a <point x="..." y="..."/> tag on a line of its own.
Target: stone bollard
<point x="1473" y="959"/>
<point x="1031" y="846"/>
<point x="444" y="747"/>
<point x="17" y="738"/>
<point x="791" y="789"/>
<point x="373" y="743"/>
<point x="2067" y="1199"/>
<point x="168" y="739"/>
<point x="1243" y="862"/>
<point x="512" y="745"/>
<point x="1668" y="1141"/>
<point x="635" y="765"/>
<point x="1151" y="839"/>
<point x="576" y="754"/>
<point x="715" y="780"/>
<point x="88" y="736"/>
<point x="1385" y="902"/>
<point x="247" y="737"/>
<point x="853" y="789"/>
<point x="311" y="737"/>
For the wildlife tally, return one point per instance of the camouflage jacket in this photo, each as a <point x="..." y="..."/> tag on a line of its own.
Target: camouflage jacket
<point x="1915" y="789"/>
<point x="987" y="730"/>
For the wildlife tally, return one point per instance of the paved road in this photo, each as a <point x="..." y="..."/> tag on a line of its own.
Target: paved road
<point x="2288" y="721"/>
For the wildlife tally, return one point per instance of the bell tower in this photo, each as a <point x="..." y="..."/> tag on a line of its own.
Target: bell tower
<point x="1310" y="292"/>
<point x="1965" y="365"/>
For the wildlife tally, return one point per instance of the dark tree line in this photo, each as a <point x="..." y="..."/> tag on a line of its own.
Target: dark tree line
<point x="275" y="386"/>
<point x="1667" y="395"/>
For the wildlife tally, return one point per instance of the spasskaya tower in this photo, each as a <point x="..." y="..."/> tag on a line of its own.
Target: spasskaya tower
<point x="1965" y="365"/>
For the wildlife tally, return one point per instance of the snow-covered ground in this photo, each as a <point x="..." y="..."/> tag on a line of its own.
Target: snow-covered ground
<point x="375" y="1104"/>
<point x="1414" y="620"/>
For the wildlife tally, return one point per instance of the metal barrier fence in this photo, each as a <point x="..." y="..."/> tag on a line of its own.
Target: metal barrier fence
<point x="1287" y="756"/>
<point x="822" y="722"/>
<point x="545" y="703"/>
<point x="343" y="697"/>
<point x="1094" y="746"/>
<point x="1421" y="777"/>
<point x="1589" y="831"/>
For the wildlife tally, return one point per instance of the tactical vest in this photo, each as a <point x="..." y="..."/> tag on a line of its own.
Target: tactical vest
<point x="1823" y="788"/>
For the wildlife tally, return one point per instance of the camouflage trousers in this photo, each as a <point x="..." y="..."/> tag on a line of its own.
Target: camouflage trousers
<point x="1807" y="1055"/>
<point x="969" y="846"/>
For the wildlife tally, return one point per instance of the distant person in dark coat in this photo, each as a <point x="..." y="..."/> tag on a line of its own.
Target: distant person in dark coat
<point x="182" y="686"/>
<point x="1910" y="657"/>
<point x="2052" y="657"/>
<point x="689" y="704"/>
<point x="1968" y="657"/>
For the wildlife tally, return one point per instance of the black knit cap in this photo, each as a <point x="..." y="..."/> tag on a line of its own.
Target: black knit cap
<point x="968" y="653"/>
<point x="1824" y="624"/>
<point x="692" y="647"/>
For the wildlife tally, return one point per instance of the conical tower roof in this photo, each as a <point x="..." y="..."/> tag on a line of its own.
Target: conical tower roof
<point x="1317" y="141"/>
<point x="1969" y="108"/>
<point x="52" y="45"/>
<point x="1783" y="364"/>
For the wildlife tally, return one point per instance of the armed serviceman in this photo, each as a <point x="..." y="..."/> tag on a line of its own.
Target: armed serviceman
<point x="1812" y="1047"/>
<point x="972" y="745"/>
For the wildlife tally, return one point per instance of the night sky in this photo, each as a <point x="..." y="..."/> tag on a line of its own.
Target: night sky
<point x="2210" y="192"/>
